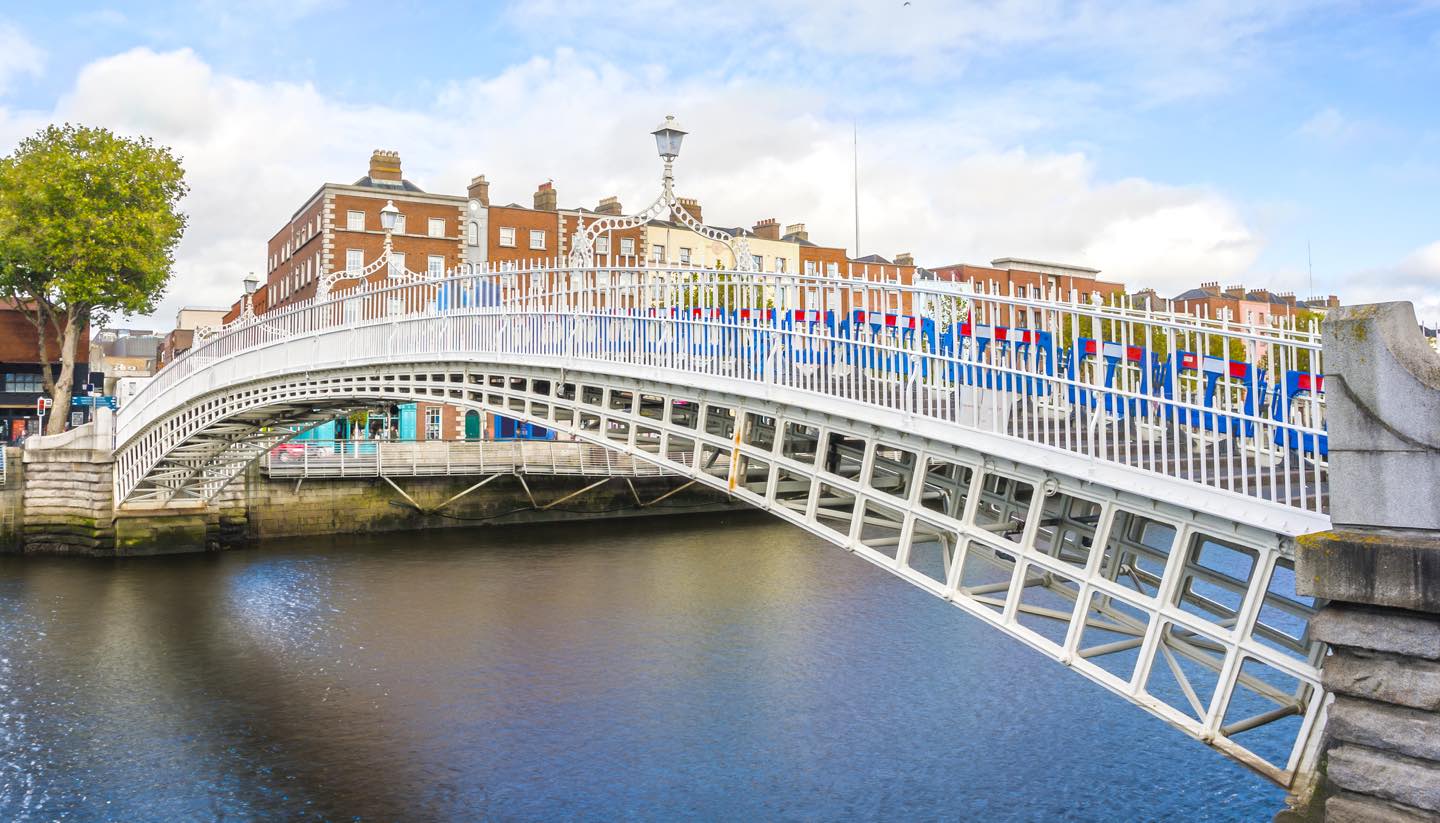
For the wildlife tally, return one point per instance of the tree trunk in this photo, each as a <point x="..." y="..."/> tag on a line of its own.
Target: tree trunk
<point x="69" y="342"/>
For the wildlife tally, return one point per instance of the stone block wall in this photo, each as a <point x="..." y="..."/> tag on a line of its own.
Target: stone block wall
<point x="1379" y="570"/>
<point x="1383" y="760"/>
<point x="284" y="508"/>
<point x="68" y="504"/>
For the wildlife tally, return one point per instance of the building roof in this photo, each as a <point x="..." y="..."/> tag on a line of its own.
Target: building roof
<point x="1196" y="294"/>
<point x="403" y="185"/>
<point x="1022" y="262"/>
<point x="872" y="258"/>
<point x="791" y="238"/>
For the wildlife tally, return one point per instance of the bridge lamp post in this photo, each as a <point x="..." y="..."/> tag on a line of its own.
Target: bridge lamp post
<point x="668" y="137"/>
<point x="388" y="218"/>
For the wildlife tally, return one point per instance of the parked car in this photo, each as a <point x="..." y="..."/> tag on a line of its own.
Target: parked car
<point x="288" y="452"/>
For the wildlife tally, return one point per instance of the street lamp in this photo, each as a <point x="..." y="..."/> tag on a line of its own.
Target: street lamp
<point x="389" y="216"/>
<point x="667" y="138"/>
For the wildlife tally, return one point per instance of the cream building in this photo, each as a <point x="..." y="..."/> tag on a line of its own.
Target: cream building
<point x="670" y="243"/>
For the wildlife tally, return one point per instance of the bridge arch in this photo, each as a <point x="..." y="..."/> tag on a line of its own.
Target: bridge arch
<point x="1174" y="594"/>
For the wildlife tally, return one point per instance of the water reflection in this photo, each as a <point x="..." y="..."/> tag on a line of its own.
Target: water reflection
<point x="686" y="667"/>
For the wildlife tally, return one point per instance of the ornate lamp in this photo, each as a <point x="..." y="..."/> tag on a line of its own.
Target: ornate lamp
<point x="388" y="216"/>
<point x="668" y="137"/>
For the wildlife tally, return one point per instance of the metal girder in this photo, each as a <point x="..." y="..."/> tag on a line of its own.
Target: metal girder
<point x="1189" y="615"/>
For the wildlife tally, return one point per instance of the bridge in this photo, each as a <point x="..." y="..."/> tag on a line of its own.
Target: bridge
<point x="1117" y="488"/>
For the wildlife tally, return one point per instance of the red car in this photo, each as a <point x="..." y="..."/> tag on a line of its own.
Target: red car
<point x="288" y="452"/>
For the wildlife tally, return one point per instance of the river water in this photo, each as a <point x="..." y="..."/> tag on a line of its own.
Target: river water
<point x="717" y="667"/>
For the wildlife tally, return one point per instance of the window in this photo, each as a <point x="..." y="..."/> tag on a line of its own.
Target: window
<point x="780" y="264"/>
<point x="602" y="245"/>
<point x="354" y="259"/>
<point x="684" y="255"/>
<point x="809" y="266"/>
<point x="355" y="220"/>
<point x="832" y="269"/>
<point x="397" y="261"/>
<point x="435" y="265"/>
<point x="657" y="253"/>
<point x="437" y="227"/>
<point x="432" y="423"/>
<point x="472" y="234"/>
<point x="399" y="224"/>
<point x="627" y="246"/>
<point x="537" y="238"/>
<point x="23" y="383"/>
<point x="759" y="262"/>
<point x="507" y="237"/>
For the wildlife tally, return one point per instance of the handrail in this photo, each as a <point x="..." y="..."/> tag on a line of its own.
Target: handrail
<point x="449" y="458"/>
<point x="1211" y="401"/>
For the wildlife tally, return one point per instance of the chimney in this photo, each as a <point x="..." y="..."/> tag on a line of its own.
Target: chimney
<point x="385" y="165"/>
<point x="1212" y="287"/>
<point x="480" y="190"/>
<point x="610" y="205"/>
<point x="797" y="231"/>
<point x="904" y="258"/>
<point x="1288" y="297"/>
<point x="769" y="229"/>
<point x="1237" y="292"/>
<point x="692" y="207"/>
<point x="545" y="197"/>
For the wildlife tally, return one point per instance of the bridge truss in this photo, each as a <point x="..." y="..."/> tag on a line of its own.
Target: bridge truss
<point x="1055" y="484"/>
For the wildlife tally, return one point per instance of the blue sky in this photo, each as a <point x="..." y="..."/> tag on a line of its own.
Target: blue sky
<point x="1163" y="143"/>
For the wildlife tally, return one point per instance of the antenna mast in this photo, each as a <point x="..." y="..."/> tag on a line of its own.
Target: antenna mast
<point x="855" y="149"/>
<point x="1310" y="266"/>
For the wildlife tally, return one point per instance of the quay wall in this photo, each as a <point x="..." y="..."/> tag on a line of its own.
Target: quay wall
<point x="58" y="502"/>
<point x="265" y="508"/>
<point x="12" y="492"/>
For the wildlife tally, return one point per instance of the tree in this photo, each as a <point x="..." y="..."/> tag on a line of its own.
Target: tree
<point x="88" y="227"/>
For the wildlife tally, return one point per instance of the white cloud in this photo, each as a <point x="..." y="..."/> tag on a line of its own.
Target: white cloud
<point x="1331" y="126"/>
<point x="18" y="56"/>
<point x="951" y="189"/>
<point x="1162" y="51"/>
<point x="1415" y="278"/>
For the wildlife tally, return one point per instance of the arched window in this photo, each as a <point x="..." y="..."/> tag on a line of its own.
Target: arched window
<point x="473" y="234"/>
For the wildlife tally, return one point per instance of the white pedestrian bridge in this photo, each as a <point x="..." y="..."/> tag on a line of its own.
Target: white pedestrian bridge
<point x="1117" y="488"/>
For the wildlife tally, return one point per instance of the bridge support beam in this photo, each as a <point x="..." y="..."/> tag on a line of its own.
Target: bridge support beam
<point x="1379" y="568"/>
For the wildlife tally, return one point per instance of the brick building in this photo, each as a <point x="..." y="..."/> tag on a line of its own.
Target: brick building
<point x="1251" y="306"/>
<point x="21" y="379"/>
<point x="1035" y="279"/>
<point x="187" y="321"/>
<point x="338" y="229"/>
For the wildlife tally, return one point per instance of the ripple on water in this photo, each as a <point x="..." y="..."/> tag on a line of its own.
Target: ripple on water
<point x="670" y="669"/>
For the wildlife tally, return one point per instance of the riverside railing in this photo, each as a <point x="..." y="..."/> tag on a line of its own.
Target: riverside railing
<point x="430" y="458"/>
<point x="1228" y="405"/>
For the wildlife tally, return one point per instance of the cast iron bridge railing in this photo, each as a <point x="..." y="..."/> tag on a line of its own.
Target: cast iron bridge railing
<point x="1116" y="487"/>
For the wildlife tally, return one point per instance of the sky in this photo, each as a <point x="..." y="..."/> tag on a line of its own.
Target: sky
<point x="1274" y="144"/>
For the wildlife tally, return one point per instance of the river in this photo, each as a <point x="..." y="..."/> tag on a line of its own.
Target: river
<point x="716" y="667"/>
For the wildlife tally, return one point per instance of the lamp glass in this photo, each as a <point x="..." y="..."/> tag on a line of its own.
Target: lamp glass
<point x="388" y="216"/>
<point x="668" y="137"/>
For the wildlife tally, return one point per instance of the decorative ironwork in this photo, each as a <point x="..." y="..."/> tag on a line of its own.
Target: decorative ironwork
<point x="582" y="249"/>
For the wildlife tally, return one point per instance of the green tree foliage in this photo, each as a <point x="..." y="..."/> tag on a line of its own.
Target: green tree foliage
<point x="721" y="290"/>
<point x="89" y="223"/>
